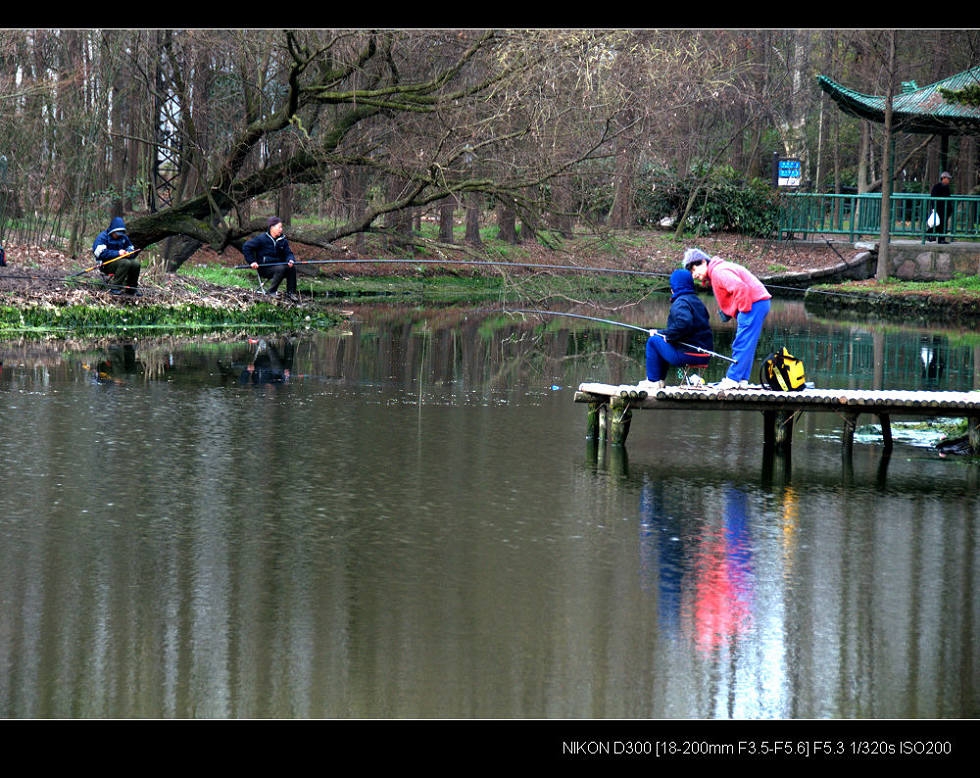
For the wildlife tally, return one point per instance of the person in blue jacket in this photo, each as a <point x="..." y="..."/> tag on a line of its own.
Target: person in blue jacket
<point x="113" y="249"/>
<point x="270" y="255"/>
<point x="687" y="330"/>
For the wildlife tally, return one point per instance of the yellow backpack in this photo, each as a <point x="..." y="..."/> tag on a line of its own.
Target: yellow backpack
<point x="783" y="372"/>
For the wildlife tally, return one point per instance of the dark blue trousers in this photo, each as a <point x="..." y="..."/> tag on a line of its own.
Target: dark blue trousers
<point x="661" y="355"/>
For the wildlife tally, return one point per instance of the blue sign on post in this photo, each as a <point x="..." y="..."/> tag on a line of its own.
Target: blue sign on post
<point x="790" y="173"/>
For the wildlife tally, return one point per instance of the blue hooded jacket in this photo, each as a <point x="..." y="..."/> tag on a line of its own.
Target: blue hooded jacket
<point x="688" y="318"/>
<point x="112" y="242"/>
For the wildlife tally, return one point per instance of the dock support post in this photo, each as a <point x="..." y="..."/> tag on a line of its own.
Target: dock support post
<point x="592" y="420"/>
<point x="777" y="430"/>
<point x="973" y="433"/>
<point x="775" y="467"/>
<point x="850" y="424"/>
<point x="784" y="430"/>
<point x="620" y="417"/>
<point x="886" y="431"/>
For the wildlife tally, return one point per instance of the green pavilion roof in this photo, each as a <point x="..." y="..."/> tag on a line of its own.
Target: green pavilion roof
<point x="917" y="109"/>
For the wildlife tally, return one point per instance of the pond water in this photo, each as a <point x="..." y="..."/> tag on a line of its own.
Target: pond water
<point x="405" y="520"/>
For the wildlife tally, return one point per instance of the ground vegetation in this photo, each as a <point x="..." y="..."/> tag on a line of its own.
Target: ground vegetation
<point x="571" y="146"/>
<point x="196" y="136"/>
<point x="211" y="288"/>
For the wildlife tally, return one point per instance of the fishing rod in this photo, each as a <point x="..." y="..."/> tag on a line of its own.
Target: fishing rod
<point x="107" y="262"/>
<point x="457" y="262"/>
<point x="94" y="282"/>
<point x="486" y="263"/>
<point x="518" y="264"/>
<point x="623" y="324"/>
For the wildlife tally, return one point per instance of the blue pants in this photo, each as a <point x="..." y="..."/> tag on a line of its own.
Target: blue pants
<point x="746" y="339"/>
<point x="661" y="354"/>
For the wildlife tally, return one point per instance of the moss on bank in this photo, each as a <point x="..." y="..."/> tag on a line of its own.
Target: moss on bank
<point x="179" y="317"/>
<point x="939" y="301"/>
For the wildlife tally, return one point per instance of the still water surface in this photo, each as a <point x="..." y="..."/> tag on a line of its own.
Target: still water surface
<point x="410" y="523"/>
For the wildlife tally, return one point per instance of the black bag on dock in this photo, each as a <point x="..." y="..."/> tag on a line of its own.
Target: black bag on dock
<point x="783" y="372"/>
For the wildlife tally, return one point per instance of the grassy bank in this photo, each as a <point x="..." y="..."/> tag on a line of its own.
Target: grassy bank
<point x="95" y="319"/>
<point x="42" y="291"/>
<point x="957" y="300"/>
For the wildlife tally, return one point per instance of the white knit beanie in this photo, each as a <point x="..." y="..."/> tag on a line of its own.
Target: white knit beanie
<point x="693" y="255"/>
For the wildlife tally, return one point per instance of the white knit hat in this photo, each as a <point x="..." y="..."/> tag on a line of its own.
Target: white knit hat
<point x="693" y="255"/>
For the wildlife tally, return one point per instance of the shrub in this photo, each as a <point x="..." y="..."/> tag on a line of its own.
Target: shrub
<point x="724" y="203"/>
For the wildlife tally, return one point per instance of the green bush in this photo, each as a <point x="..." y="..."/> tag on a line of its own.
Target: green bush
<point x="725" y="202"/>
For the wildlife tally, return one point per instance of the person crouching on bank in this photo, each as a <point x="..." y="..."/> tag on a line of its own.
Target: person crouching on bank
<point x="112" y="248"/>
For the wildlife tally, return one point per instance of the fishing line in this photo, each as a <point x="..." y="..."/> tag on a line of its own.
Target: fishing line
<point x="645" y="330"/>
<point x="449" y="263"/>
<point x="648" y="332"/>
<point x="479" y="263"/>
<point x="490" y="263"/>
<point x="72" y="280"/>
<point x="65" y="279"/>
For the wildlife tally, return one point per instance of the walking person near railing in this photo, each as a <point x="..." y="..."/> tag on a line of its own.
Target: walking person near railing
<point x="941" y="192"/>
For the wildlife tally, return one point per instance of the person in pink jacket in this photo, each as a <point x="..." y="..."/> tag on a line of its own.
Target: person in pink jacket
<point x="740" y="296"/>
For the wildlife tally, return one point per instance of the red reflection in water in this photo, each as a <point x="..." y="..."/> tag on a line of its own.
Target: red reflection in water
<point x="723" y="588"/>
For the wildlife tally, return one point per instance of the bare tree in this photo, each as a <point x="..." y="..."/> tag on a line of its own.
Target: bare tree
<point x="544" y="126"/>
<point x="370" y="101"/>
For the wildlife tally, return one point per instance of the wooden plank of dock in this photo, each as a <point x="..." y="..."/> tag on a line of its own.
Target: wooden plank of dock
<point x="610" y="412"/>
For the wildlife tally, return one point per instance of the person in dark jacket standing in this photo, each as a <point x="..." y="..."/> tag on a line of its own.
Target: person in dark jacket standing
<point x="941" y="191"/>
<point x="687" y="330"/>
<point x="270" y="255"/>
<point x="113" y="249"/>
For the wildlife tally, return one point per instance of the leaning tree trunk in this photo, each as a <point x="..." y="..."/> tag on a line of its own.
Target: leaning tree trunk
<point x="177" y="249"/>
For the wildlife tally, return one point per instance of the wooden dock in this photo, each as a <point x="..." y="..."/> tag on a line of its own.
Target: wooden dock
<point x="611" y="408"/>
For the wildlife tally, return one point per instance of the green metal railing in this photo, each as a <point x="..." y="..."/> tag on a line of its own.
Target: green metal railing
<point x="857" y="215"/>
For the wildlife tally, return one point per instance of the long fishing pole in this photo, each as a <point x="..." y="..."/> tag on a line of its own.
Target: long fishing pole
<point x="107" y="262"/>
<point x="457" y="262"/>
<point x="485" y="263"/>
<point x="624" y="324"/>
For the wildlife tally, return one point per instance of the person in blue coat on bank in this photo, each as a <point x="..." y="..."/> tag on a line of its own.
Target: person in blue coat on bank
<point x="687" y="331"/>
<point x="115" y="252"/>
